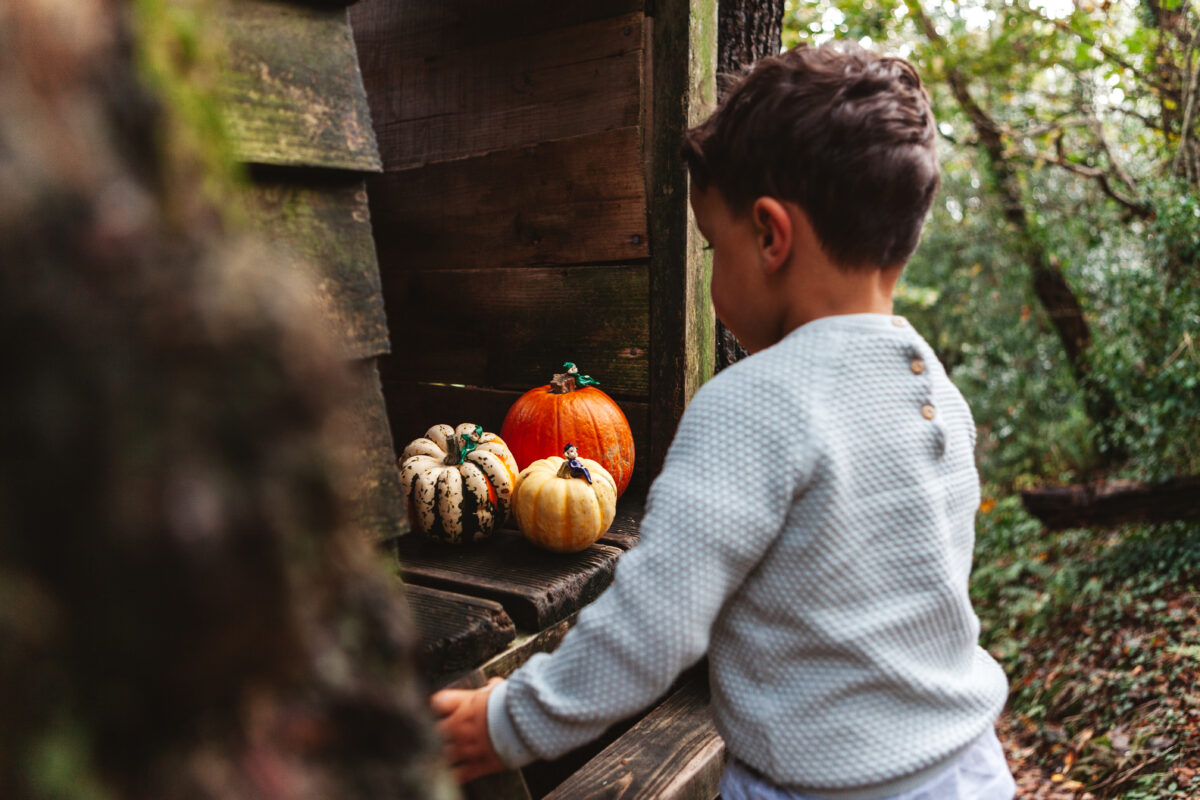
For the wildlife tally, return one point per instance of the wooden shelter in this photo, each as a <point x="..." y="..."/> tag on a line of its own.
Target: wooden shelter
<point x="482" y="192"/>
<point x="533" y="205"/>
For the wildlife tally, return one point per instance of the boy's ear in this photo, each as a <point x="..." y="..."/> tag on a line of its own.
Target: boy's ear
<point x="773" y="230"/>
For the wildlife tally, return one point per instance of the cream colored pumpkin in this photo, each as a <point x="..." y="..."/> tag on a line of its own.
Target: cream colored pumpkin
<point x="563" y="513"/>
<point x="458" y="482"/>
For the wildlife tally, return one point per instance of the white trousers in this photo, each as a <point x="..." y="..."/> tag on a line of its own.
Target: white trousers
<point x="980" y="773"/>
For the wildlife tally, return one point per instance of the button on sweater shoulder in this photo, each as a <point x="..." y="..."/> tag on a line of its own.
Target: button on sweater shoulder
<point x="812" y="530"/>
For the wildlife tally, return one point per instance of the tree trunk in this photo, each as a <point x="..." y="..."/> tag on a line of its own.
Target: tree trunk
<point x="184" y="612"/>
<point x="1061" y="507"/>
<point x="747" y="30"/>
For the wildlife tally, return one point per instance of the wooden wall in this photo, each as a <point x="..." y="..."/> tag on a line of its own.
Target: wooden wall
<point x="511" y="215"/>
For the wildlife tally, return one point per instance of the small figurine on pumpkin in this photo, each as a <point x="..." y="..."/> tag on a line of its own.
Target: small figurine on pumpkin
<point x="580" y="380"/>
<point x="470" y="441"/>
<point x="578" y="470"/>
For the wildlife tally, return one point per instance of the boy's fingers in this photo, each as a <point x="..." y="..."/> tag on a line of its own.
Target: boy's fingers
<point x="445" y="701"/>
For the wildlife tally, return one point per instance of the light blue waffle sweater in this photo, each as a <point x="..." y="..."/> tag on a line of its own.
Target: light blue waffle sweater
<point x="812" y="531"/>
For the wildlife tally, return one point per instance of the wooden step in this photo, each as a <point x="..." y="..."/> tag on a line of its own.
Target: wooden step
<point x="537" y="588"/>
<point x="673" y="753"/>
<point x="456" y="631"/>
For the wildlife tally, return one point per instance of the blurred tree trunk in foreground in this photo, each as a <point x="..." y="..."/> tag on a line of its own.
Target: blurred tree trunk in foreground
<point x="183" y="611"/>
<point x="747" y="30"/>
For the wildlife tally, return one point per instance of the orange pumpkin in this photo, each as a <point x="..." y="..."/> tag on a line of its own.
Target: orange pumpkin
<point x="570" y="409"/>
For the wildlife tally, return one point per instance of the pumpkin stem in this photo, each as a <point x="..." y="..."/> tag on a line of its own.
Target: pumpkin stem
<point x="570" y="380"/>
<point x="562" y="383"/>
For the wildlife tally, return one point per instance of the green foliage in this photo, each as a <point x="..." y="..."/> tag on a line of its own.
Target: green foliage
<point x="1099" y="635"/>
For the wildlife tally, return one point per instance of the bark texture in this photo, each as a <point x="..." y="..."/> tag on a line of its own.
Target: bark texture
<point x="747" y="30"/>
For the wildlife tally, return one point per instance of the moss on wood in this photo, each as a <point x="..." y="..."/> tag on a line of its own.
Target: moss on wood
<point x="325" y="224"/>
<point x="292" y="87"/>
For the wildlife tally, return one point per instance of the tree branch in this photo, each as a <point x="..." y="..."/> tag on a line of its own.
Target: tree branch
<point x="1101" y="176"/>
<point x="1126" y="178"/>
<point x="1188" y="108"/>
<point x="1047" y="278"/>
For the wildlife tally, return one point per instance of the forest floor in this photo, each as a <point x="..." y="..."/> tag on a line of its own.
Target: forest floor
<point x="1099" y="632"/>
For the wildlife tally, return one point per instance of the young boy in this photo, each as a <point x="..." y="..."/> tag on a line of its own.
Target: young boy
<point x="813" y="524"/>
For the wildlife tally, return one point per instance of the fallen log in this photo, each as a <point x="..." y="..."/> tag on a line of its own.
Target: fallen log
<point x="1073" y="506"/>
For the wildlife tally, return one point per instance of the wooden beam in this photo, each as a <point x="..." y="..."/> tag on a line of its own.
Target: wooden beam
<point x="292" y="88"/>
<point x="682" y="332"/>
<point x="376" y="498"/>
<point x="456" y="631"/>
<point x="423" y="29"/>
<point x="509" y="660"/>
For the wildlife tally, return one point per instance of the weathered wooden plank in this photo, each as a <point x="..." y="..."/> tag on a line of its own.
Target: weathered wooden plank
<point x="509" y="660"/>
<point x="683" y="327"/>
<point x="325" y="222"/>
<point x="673" y="753"/>
<point x="414" y="407"/>
<point x="626" y="529"/>
<point x="293" y="92"/>
<point x="456" y="631"/>
<point x="572" y="201"/>
<point x="423" y="29"/>
<point x="376" y="499"/>
<point x="555" y="84"/>
<point x="513" y="328"/>
<point x="537" y="588"/>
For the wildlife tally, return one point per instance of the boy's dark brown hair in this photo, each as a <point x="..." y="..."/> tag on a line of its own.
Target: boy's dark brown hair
<point x="845" y="133"/>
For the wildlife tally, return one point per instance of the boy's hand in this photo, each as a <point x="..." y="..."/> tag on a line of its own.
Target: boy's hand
<point x="463" y="726"/>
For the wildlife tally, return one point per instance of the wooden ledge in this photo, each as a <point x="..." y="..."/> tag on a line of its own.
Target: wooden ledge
<point x="673" y="753"/>
<point x="536" y="588"/>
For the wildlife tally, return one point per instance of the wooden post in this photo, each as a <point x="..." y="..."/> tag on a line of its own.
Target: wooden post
<point x="682" y="325"/>
<point x="298" y="118"/>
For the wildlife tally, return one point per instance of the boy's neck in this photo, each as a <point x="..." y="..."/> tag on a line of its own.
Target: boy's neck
<point x="816" y="286"/>
<point x="838" y="291"/>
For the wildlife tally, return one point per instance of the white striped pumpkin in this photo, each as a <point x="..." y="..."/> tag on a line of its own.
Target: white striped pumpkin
<point x="563" y="513"/>
<point x="458" y="482"/>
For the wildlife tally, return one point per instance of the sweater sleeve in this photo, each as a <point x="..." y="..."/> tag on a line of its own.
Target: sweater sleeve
<point x="729" y="479"/>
